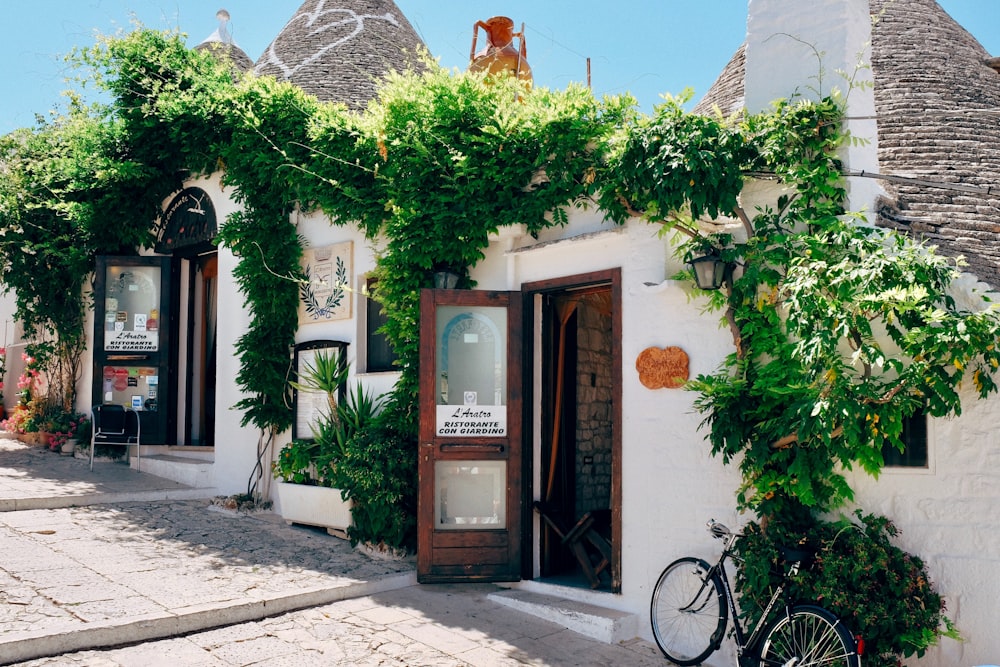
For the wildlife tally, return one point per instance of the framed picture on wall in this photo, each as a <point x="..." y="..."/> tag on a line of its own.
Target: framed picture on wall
<point x="325" y="295"/>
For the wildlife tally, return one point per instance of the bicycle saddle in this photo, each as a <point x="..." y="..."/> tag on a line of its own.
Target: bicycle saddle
<point x="718" y="530"/>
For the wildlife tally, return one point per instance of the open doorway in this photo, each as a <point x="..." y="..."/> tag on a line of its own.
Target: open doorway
<point x="576" y="424"/>
<point x="199" y="327"/>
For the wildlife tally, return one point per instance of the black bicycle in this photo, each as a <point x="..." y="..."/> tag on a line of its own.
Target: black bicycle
<point x="692" y="602"/>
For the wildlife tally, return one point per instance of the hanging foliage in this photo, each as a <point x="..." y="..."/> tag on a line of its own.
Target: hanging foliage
<point x="840" y="331"/>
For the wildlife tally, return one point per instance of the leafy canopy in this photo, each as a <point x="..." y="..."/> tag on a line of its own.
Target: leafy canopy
<point x="840" y="330"/>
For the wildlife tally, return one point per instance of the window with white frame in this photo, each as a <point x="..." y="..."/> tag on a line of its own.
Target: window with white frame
<point x="914" y="437"/>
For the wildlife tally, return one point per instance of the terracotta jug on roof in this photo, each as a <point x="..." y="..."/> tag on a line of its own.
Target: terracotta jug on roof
<point x="500" y="54"/>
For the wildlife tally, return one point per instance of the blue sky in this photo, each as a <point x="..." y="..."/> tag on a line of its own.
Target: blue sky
<point x="647" y="47"/>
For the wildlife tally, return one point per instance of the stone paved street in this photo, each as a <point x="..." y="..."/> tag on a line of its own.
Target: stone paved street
<point x="117" y="567"/>
<point x="417" y="626"/>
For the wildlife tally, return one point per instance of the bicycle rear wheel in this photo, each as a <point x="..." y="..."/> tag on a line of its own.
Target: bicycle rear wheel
<point x="688" y="612"/>
<point x="808" y="636"/>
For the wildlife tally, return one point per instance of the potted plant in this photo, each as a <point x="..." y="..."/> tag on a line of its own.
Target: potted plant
<point x="305" y="468"/>
<point x="66" y="430"/>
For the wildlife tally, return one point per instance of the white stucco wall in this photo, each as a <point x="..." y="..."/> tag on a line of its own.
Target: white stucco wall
<point x="236" y="447"/>
<point x="948" y="514"/>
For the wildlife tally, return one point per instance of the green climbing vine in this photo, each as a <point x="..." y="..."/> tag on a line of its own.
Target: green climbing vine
<point x="840" y="331"/>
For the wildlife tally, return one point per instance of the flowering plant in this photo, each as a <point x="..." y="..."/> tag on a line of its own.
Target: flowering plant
<point x="67" y="426"/>
<point x="28" y="382"/>
<point x="20" y="420"/>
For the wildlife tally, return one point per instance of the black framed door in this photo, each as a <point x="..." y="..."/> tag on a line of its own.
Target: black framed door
<point x="132" y="340"/>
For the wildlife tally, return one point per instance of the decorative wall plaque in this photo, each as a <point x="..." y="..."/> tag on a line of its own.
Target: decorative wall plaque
<point x="662" y="368"/>
<point x="325" y="296"/>
<point x="188" y="220"/>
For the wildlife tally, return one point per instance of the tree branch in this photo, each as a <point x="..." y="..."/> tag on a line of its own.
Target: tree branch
<point x="790" y="439"/>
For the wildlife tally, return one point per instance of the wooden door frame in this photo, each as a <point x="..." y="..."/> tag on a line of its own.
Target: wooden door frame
<point x="613" y="279"/>
<point x="438" y="551"/>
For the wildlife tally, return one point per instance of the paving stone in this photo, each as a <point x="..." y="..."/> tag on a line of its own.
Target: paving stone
<point x="175" y="565"/>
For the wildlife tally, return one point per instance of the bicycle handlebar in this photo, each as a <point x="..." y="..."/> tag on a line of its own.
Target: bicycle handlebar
<point x="792" y="555"/>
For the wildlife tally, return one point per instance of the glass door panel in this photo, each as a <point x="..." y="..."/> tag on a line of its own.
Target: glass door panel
<point x="470" y="495"/>
<point x="132" y="340"/>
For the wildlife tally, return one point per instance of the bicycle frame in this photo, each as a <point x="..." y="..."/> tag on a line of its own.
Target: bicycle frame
<point x="745" y="643"/>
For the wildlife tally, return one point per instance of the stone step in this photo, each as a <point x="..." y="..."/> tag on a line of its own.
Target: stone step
<point x="192" y="472"/>
<point x="599" y="623"/>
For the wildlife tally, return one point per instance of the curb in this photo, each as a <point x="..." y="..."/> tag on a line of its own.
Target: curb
<point x="103" y="498"/>
<point x="109" y="634"/>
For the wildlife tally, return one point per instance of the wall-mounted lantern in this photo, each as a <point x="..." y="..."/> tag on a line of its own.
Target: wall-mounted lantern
<point x="709" y="271"/>
<point x="445" y="279"/>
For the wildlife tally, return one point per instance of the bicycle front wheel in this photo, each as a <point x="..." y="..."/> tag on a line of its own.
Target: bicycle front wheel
<point x="808" y="636"/>
<point x="688" y="612"/>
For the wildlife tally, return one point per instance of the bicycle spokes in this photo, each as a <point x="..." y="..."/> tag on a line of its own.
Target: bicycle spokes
<point x="807" y="638"/>
<point x="688" y="612"/>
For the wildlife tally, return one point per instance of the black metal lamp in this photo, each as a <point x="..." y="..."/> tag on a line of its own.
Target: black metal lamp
<point x="446" y="279"/>
<point x="709" y="271"/>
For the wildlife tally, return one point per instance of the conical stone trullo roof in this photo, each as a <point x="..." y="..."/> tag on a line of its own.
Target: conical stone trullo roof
<point x="338" y="50"/>
<point x="727" y="93"/>
<point x="937" y="100"/>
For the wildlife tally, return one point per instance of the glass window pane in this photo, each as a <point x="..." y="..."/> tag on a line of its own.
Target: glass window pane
<point x="471" y="355"/>
<point x="380" y="353"/>
<point x="471" y="371"/>
<point x="131" y="386"/>
<point x="470" y="495"/>
<point x="914" y="437"/>
<point x="131" y="315"/>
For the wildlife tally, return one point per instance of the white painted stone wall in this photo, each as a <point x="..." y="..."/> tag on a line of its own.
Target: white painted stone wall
<point x="949" y="514"/>
<point x="670" y="483"/>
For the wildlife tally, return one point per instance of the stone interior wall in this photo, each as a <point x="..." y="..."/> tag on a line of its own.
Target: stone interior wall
<point x="593" y="410"/>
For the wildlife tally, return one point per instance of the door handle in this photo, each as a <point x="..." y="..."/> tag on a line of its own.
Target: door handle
<point x="469" y="447"/>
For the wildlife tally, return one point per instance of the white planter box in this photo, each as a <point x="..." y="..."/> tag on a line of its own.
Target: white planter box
<point x="314" y="506"/>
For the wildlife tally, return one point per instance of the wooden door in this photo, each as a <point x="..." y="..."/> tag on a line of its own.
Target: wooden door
<point x="469" y="516"/>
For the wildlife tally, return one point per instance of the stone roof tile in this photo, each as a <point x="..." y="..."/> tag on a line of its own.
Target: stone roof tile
<point x="338" y="50"/>
<point x="938" y="104"/>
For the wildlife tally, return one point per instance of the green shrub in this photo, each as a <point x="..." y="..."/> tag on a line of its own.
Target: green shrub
<point x="379" y="472"/>
<point x="314" y="461"/>
<point x="881" y="592"/>
<point x="296" y="462"/>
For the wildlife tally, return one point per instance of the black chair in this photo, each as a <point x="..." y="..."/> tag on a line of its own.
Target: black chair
<point x="114" y="425"/>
